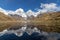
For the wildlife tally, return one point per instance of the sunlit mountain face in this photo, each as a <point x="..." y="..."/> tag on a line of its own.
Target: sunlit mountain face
<point x="29" y="19"/>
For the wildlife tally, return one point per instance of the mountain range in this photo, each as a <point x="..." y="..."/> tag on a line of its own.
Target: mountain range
<point x="47" y="21"/>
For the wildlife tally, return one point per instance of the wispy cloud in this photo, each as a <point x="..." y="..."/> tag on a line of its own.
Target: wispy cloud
<point x="52" y="7"/>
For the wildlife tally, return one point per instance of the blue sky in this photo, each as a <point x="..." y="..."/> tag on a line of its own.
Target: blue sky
<point x="24" y="4"/>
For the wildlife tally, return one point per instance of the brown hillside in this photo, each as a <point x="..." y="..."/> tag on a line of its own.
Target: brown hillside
<point x="49" y="22"/>
<point x="4" y="17"/>
<point x="8" y="22"/>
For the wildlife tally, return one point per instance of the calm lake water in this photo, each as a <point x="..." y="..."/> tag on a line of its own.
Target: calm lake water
<point x="28" y="34"/>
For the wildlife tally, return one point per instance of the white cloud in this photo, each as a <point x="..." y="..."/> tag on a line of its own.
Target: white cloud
<point x="42" y="10"/>
<point x="4" y="11"/>
<point x="20" y="10"/>
<point x="51" y="7"/>
<point x="29" y="13"/>
<point x="11" y="12"/>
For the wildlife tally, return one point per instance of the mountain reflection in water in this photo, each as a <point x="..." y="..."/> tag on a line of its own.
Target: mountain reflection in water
<point x="28" y="34"/>
<point x="25" y="36"/>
